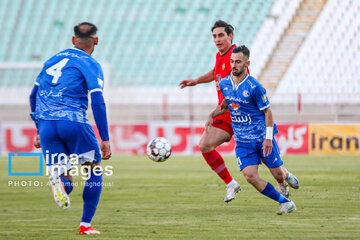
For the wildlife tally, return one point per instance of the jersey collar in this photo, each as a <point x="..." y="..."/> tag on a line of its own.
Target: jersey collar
<point x="80" y="50"/>
<point x="235" y="87"/>
<point x="221" y="55"/>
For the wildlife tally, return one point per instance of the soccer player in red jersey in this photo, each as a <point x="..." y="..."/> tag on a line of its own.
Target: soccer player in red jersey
<point x="221" y="131"/>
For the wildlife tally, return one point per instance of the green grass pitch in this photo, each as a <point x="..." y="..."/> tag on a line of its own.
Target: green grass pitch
<point x="183" y="199"/>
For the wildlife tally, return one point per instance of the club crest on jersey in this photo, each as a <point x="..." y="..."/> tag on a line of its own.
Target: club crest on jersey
<point x="246" y="93"/>
<point x="223" y="67"/>
<point x="218" y="77"/>
<point x="235" y="106"/>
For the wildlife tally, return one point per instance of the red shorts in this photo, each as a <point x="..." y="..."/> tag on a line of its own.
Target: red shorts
<point x="223" y="122"/>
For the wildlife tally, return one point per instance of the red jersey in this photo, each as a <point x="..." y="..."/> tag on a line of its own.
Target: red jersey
<point x="222" y="69"/>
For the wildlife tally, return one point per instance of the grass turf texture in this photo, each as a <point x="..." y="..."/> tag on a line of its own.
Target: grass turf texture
<point x="183" y="199"/>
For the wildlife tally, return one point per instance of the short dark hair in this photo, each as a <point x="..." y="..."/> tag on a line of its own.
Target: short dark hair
<point x="220" y="23"/>
<point x="243" y="49"/>
<point x="85" y="34"/>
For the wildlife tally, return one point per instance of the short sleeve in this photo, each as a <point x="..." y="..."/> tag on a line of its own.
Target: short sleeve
<point x="37" y="81"/>
<point x="259" y="94"/>
<point x="94" y="76"/>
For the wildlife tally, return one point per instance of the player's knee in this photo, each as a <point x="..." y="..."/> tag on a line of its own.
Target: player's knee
<point x="205" y="147"/>
<point x="280" y="174"/>
<point x="251" y="178"/>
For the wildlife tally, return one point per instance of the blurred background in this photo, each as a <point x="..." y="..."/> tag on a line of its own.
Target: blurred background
<point x="305" y="52"/>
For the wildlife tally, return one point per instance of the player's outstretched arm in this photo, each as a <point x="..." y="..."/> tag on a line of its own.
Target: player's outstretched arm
<point x="267" y="144"/>
<point x="218" y="111"/>
<point x="208" y="77"/>
<point x="99" y="111"/>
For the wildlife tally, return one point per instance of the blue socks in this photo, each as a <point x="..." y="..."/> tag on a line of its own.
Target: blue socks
<point x="91" y="195"/>
<point x="67" y="184"/>
<point x="271" y="192"/>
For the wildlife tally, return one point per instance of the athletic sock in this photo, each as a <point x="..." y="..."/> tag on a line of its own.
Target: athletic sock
<point x="91" y="195"/>
<point x="271" y="192"/>
<point x="67" y="185"/>
<point x="280" y="181"/>
<point x="231" y="183"/>
<point x="216" y="162"/>
<point x="85" y="224"/>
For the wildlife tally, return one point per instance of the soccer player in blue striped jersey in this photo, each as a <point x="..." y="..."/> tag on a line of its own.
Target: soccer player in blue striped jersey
<point x="253" y="127"/>
<point x="59" y="101"/>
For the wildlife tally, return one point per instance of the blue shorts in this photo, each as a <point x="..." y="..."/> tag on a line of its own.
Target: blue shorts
<point x="249" y="154"/>
<point x="66" y="138"/>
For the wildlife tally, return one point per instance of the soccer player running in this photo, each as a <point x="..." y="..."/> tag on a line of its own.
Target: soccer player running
<point x="253" y="125"/>
<point x="59" y="101"/>
<point x="221" y="132"/>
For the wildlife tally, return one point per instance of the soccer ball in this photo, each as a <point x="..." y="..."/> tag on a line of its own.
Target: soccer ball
<point x="158" y="149"/>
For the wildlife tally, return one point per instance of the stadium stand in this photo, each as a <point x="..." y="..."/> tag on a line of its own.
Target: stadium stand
<point x="290" y="42"/>
<point x="139" y="39"/>
<point x="270" y="32"/>
<point x="149" y="46"/>
<point x="327" y="67"/>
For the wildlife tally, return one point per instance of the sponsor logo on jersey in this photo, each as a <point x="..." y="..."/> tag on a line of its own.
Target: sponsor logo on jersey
<point x="223" y="67"/>
<point x="235" y="106"/>
<point x="236" y="99"/>
<point x="241" y="119"/>
<point x="246" y="93"/>
<point x="218" y="79"/>
<point x="51" y="93"/>
<point x="68" y="54"/>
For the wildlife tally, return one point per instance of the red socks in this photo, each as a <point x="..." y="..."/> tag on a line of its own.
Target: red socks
<point x="216" y="162"/>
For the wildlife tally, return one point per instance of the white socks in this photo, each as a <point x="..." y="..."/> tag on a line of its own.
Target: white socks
<point x="85" y="224"/>
<point x="230" y="184"/>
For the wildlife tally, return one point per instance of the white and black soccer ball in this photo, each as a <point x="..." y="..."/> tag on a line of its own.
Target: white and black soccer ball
<point x="158" y="149"/>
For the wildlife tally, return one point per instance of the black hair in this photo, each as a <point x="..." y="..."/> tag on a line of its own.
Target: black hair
<point x="243" y="49"/>
<point x="220" y="23"/>
<point x="85" y="34"/>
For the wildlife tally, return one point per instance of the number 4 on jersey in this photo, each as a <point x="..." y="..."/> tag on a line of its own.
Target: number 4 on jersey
<point x="55" y="70"/>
